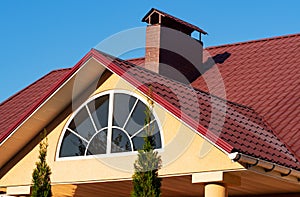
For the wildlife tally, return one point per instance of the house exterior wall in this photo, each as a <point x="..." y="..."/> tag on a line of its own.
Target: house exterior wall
<point x="183" y="152"/>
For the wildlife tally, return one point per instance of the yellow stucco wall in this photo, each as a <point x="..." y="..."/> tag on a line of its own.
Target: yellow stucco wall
<point x="184" y="152"/>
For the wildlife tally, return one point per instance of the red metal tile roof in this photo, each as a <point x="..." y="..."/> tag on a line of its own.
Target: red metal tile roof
<point x="16" y="107"/>
<point x="265" y="75"/>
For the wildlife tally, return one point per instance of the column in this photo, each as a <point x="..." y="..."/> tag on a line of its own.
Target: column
<point x="216" y="182"/>
<point x="215" y="190"/>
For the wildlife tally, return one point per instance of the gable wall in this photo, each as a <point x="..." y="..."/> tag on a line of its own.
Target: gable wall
<point x="184" y="152"/>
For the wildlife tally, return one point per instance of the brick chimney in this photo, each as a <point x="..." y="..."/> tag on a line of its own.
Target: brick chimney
<point x="170" y="49"/>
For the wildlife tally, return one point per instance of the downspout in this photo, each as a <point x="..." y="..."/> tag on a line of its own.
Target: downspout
<point x="267" y="166"/>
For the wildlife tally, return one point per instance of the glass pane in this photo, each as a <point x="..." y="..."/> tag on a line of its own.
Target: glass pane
<point x="82" y="124"/>
<point x="138" y="140"/>
<point x="98" y="144"/>
<point x="99" y="111"/>
<point x="123" y="104"/>
<point x="137" y="119"/>
<point x="72" y="145"/>
<point x="119" y="142"/>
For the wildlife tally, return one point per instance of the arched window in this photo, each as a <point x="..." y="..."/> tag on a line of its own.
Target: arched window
<point x="111" y="122"/>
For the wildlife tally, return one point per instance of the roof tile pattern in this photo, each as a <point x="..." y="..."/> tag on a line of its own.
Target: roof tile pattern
<point x="263" y="74"/>
<point x="239" y="126"/>
<point x="14" y="108"/>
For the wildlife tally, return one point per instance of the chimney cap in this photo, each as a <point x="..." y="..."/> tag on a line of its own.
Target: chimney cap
<point x="155" y="16"/>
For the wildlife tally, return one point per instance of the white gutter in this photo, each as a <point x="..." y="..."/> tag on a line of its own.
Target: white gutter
<point x="267" y="166"/>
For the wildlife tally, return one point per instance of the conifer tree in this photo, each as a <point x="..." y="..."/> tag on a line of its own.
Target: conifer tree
<point x="41" y="174"/>
<point x="146" y="182"/>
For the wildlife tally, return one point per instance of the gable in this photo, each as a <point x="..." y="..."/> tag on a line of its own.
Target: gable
<point x="181" y="143"/>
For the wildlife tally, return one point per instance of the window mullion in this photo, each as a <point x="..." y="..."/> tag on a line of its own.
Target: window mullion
<point x="110" y="122"/>
<point x="136" y="133"/>
<point x="91" y="117"/>
<point x="130" y="113"/>
<point x="75" y="133"/>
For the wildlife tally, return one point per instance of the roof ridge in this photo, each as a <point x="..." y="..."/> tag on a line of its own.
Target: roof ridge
<point x="30" y="85"/>
<point x="60" y="69"/>
<point x="135" y="58"/>
<point x="271" y="130"/>
<point x="225" y="100"/>
<point x="192" y="88"/>
<point x="254" y="41"/>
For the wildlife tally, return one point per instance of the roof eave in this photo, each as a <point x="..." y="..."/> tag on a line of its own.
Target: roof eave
<point x="267" y="166"/>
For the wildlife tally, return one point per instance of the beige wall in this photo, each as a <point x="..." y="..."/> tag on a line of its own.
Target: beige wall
<point x="184" y="152"/>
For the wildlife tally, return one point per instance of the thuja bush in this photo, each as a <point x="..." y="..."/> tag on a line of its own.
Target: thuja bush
<point x="41" y="174"/>
<point x="146" y="182"/>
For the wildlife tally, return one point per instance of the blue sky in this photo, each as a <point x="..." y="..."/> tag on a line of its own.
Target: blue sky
<point x="39" y="36"/>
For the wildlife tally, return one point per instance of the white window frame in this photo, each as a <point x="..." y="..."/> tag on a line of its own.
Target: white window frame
<point x="109" y="127"/>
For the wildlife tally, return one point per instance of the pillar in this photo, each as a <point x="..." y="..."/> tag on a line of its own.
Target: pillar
<point x="215" y="190"/>
<point x="215" y="183"/>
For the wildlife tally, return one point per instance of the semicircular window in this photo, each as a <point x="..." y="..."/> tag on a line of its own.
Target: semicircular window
<point x="106" y="124"/>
